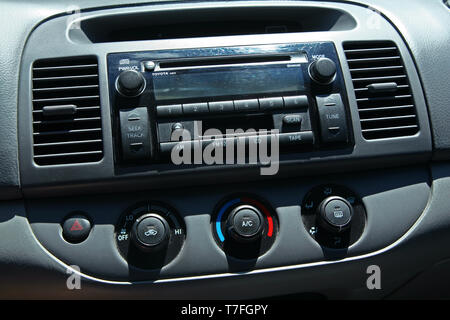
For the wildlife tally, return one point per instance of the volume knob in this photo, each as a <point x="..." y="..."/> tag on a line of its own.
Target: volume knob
<point x="130" y="83"/>
<point x="323" y="70"/>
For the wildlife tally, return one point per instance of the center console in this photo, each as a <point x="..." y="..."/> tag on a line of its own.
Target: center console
<point x="154" y="150"/>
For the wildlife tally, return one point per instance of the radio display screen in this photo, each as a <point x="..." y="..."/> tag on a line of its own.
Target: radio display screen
<point x="230" y="81"/>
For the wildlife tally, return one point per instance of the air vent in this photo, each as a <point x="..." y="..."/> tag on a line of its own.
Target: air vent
<point x="385" y="102"/>
<point x="66" y="111"/>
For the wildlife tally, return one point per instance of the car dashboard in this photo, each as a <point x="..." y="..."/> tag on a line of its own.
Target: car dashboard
<point x="225" y="149"/>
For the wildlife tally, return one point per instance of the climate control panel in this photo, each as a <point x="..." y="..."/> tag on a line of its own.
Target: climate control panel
<point x="149" y="235"/>
<point x="204" y="231"/>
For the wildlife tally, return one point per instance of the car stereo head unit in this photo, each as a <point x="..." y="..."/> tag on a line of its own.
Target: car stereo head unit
<point x="295" y="90"/>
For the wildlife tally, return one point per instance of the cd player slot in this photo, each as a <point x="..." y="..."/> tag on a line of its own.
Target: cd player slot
<point x="230" y="60"/>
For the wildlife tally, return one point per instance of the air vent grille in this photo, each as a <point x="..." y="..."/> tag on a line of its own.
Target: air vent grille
<point x="383" y="95"/>
<point x="66" y="111"/>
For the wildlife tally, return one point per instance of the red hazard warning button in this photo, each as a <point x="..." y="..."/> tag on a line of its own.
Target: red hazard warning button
<point x="76" y="226"/>
<point x="76" y="229"/>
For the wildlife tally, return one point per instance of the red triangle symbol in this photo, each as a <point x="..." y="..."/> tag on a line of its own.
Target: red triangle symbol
<point x="76" y="226"/>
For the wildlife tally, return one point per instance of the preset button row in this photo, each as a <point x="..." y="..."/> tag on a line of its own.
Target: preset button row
<point x="273" y="103"/>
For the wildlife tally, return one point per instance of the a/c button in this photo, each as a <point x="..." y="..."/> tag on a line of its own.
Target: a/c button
<point x="247" y="222"/>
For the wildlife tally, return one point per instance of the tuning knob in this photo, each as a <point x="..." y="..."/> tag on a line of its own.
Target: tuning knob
<point x="130" y="83"/>
<point x="245" y="223"/>
<point x="150" y="231"/>
<point x="323" y="70"/>
<point x="335" y="214"/>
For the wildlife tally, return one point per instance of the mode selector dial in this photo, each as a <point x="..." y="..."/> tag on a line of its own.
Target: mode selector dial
<point x="245" y="223"/>
<point x="130" y="83"/>
<point x="150" y="231"/>
<point x="335" y="214"/>
<point x="323" y="70"/>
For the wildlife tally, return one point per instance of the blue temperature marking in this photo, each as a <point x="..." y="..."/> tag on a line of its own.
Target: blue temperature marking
<point x="219" y="217"/>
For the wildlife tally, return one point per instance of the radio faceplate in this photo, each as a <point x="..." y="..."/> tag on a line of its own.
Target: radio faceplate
<point x="234" y="92"/>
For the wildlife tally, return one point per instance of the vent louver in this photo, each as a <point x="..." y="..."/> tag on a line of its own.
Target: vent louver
<point x="383" y="95"/>
<point x="66" y="111"/>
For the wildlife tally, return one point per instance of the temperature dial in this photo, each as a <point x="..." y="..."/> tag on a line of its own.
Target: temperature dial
<point x="149" y="235"/>
<point x="244" y="227"/>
